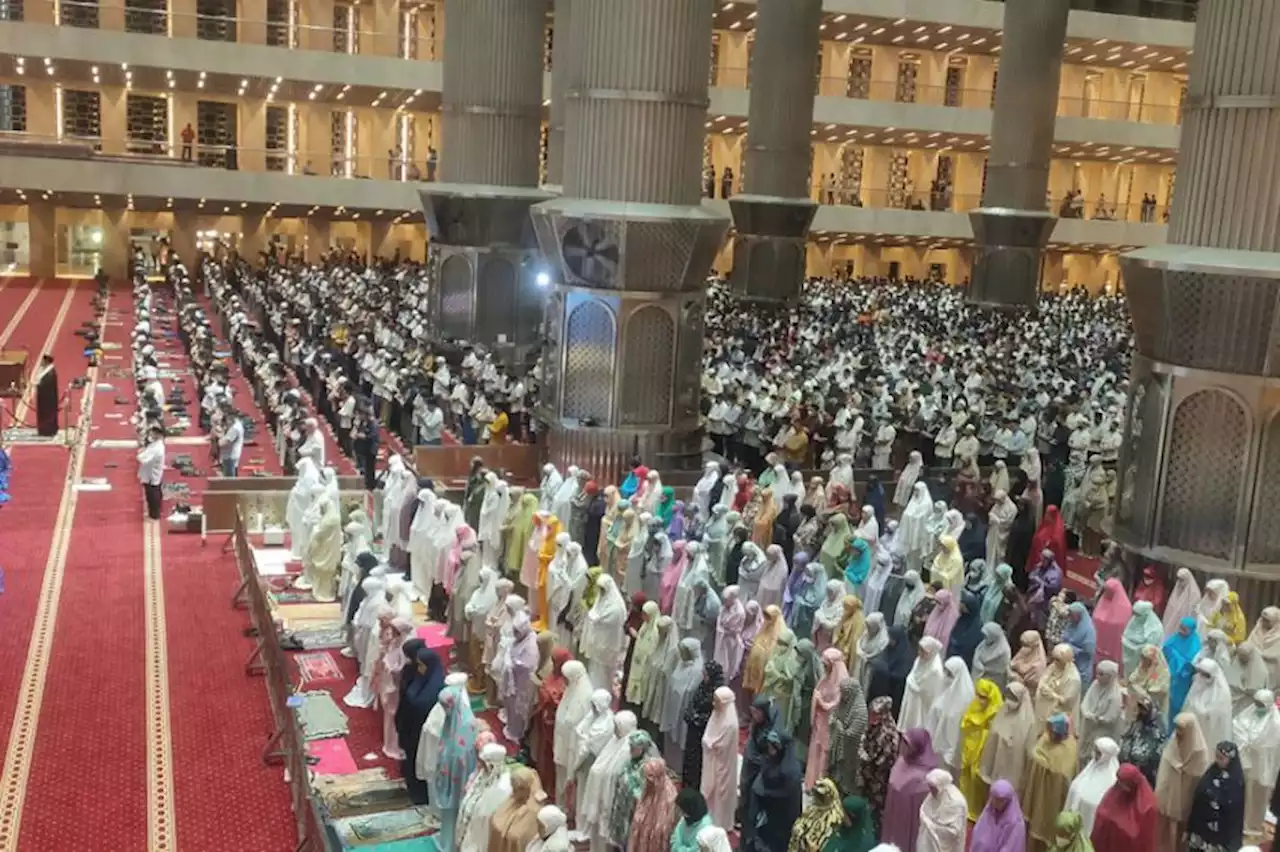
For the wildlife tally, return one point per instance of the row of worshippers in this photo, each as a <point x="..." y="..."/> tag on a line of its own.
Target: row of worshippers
<point x="149" y="413"/>
<point x="296" y="431"/>
<point x="363" y="333"/>
<point x="873" y="369"/>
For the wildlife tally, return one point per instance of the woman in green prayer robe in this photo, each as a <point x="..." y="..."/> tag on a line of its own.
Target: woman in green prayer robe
<point x="858" y="832"/>
<point x="780" y="680"/>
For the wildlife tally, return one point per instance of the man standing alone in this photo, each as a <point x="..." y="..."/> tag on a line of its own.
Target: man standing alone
<point x="151" y="470"/>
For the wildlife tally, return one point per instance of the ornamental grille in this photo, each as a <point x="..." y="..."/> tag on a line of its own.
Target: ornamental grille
<point x="588" y="371"/>
<point x="649" y="352"/>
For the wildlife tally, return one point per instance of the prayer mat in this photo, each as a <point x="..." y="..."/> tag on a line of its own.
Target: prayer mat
<point x="113" y="444"/>
<point x="188" y="442"/>
<point x="413" y="844"/>
<point x="312" y="614"/>
<point x="363" y="792"/>
<point x="321" y="716"/>
<point x="333" y="757"/>
<point x="292" y="597"/>
<point x="318" y="665"/>
<point x="368" y="830"/>
<point x="320" y="637"/>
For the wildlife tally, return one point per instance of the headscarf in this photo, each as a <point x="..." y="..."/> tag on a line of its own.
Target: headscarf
<point x="912" y="593"/>
<point x="835" y="544"/>
<point x="1070" y="834"/>
<point x="1230" y="619"/>
<point x="1094" y="780"/>
<point x="1266" y="638"/>
<point x="1110" y="617"/>
<point x="671" y="576"/>
<point x="966" y="634"/>
<point x="1256" y="732"/>
<point x="1152" y="677"/>
<point x="762" y="649"/>
<point x="993" y="596"/>
<point x="655" y="814"/>
<point x="1210" y="699"/>
<point x="819" y="821"/>
<point x="878" y="750"/>
<point x="1184" y="759"/>
<point x="890" y="669"/>
<point x="849" y="631"/>
<point x="945" y="614"/>
<point x="857" y="832"/>
<point x="1217" y="810"/>
<point x="642" y="649"/>
<point x="684" y="680"/>
<point x="1010" y="737"/>
<point x="943" y="814"/>
<point x="1180" y="653"/>
<point x="948" y="565"/>
<point x="457" y="756"/>
<point x="1079" y="634"/>
<point x="945" y="716"/>
<point x="1051" y="535"/>
<point x="1183" y="601"/>
<point x="1144" y="628"/>
<point x="848" y="724"/>
<point x="872" y="641"/>
<point x="859" y="566"/>
<point x="1143" y="740"/>
<point x="992" y="656"/>
<point x="1151" y="589"/>
<point x="1246" y="674"/>
<point x="1029" y="662"/>
<point x="1000" y="830"/>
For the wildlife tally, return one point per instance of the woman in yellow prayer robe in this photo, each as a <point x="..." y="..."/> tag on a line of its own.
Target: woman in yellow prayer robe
<point x="1053" y="765"/>
<point x="545" y="555"/>
<point x="975" y="725"/>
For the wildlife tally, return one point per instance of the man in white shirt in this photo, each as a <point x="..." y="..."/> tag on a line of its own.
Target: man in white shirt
<point x="151" y="471"/>
<point x="431" y="429"/>
<point x="230" y="442"/>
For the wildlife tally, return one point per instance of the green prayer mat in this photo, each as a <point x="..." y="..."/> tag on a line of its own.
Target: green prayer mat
<point x="385" y="827"/>
<point x="321" y="716"/>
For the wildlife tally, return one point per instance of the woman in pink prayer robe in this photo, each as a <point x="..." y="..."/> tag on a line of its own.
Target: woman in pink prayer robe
<point x="671" y="577"/>
<point x="1110" y="617"/>
<point x="729" y="626"/>
<point x="518" y="690"/>
<point x="826" y="697"/>
<point x="386" y="680"/>
<point x="908" y="788"/>
<point x="720" y="758"/>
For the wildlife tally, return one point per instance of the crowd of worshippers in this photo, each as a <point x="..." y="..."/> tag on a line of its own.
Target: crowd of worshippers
<point x="881" y="690"/>
<point x="148" y="418"/>
<point x="357" y="337"/>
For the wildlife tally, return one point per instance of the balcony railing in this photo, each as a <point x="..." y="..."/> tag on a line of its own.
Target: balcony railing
<point x="238" y="29"/>
<point x="888" y="91"/>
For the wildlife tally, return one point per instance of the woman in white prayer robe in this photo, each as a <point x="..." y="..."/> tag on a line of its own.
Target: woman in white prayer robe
<point x="604" y="633"/>
<point x="422" y="557"/>
<point x="488" y="788"/>
<point x="907" y="479"/>
<point x="396" y="489"/>
<point x="925" y="684"/>
<point x="943" y="815"/>
<point x="493" y="511"/>
<point x="300" y="498"/>
<point x="1209" y="699"/>
<point x="562" y="500"/>
<point x="324" y="553"/>
<point x="572" y="709"/>
<point x="1256" y="733"/>
<point x="1088" y="788"/>
<point x="913" y="528"/>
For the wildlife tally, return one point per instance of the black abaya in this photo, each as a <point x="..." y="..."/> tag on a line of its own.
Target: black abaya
<point x="776" y="801"/>
<point x="418" y="695"/>
<point x="47" y="404"/>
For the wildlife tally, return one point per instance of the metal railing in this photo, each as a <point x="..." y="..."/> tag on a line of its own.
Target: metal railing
<point x="287" y="744"/>
<point x="1072" y="105"/>
<point x="293" y="35"/>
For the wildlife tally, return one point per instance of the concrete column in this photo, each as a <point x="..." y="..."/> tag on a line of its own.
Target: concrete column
<point x="315" y="17"/>
<point x="114" y="118"/>
<point x="253" y="22"/>
<point x="182" y="236"/>
<point x="492" y="100"/>
<point x="774" y="211"/>
<point x="111" y="15"/>
<point x="1012" y="227"/>
<point x="380" y="31"/>
<point x="560" y="73"/>
<point x="253" y="236"/>
<point x="380" y="240"/>
<point x="626" y="318"/>
<point x="182" y="18"/>
<point x="317" y="239"/>
<point x="115" y="243"/>
<point x="253" y="136"/>
<point x="477" y="214"/>
<point x="42" y="239"/>
<point x="1198" y="473"/>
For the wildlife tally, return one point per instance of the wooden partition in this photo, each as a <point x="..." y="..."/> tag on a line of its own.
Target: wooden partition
<point x="224" y="497"/>
<point x="448" y="466"/>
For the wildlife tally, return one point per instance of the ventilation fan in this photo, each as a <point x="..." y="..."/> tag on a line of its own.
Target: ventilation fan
<point x="590" y="254"/>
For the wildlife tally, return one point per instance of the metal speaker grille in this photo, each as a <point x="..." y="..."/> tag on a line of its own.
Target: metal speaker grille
<point x="1206" y="455"/>
<point x="497" y="300"/>
<point x="553" y="322"/>
<point x="688" y="378"/>
<point x="1218" y="323"/>
<point x="1264" y="533"/>
<point x="1146" y="454"/>
<point x="588" y="363"/>
<point x="658" y="254"/>
<point x="649" y="352"/>
<point x="455" y="297"/>
<point x="1129" y="451"/>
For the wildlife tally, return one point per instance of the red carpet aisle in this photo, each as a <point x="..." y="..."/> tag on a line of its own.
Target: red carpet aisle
<point x="37" y="524"/>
